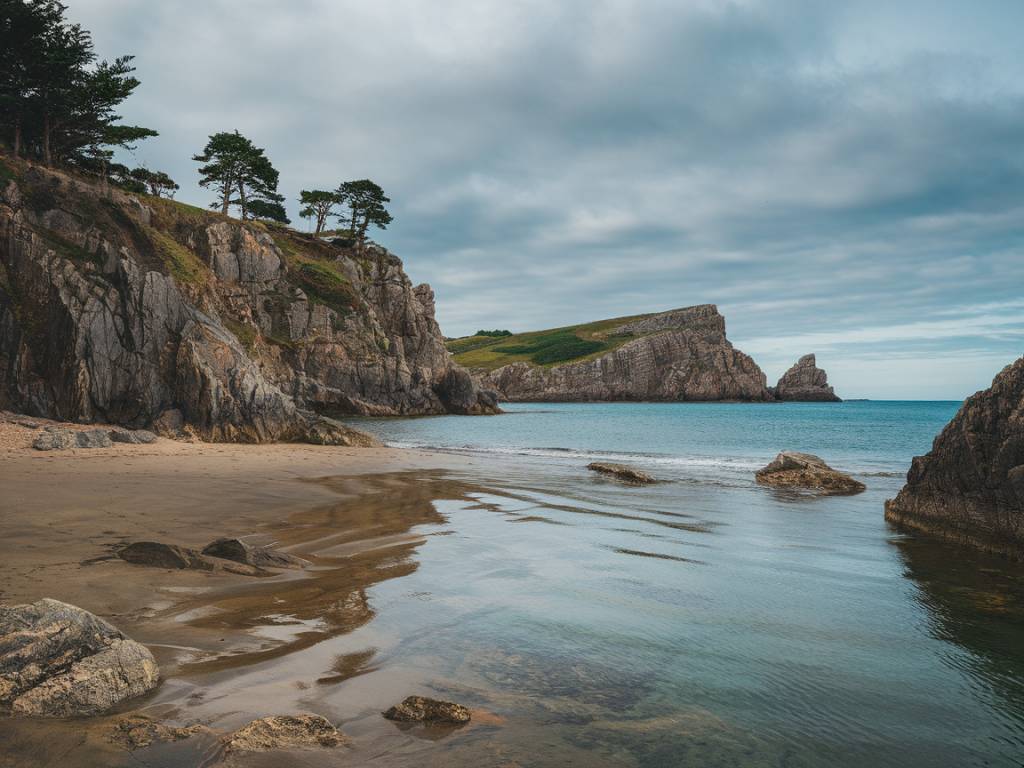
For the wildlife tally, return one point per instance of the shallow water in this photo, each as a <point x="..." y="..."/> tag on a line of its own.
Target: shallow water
<point x="700" y="621"/>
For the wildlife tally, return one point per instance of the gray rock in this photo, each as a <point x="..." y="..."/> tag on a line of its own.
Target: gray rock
<point x="159" y="555"/>
<point x="93" y="438"/>
<point x="970" y="487"/>
<point x="419" y="709"/>
<point x="55" y="439"/>
<point x="238" y="551"/>
<point x="805" y="381"/>
<point x="285" y="732"/>
<point x="621" y="472"/>
<point x="806" y="471"/>
<point x="132" y="436"/>
<point x="57" y="660"/>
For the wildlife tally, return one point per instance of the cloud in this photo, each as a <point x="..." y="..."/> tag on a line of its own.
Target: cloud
<point x="834" y="175"/>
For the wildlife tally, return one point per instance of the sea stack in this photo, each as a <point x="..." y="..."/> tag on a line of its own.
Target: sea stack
<point x="970" y="487"/>
<point x="806" y="382"/>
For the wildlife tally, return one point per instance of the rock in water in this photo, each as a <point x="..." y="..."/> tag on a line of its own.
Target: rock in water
<point x="621" y="472"/>
<point x="804" y="470"/>
<point x="57" y="660"/>
<point x="419" y="709"/>
<point x="970" y="487"/>
<point x="160" y="555"/>
<point x="285" y="732"/>
<point x="261" y="557"/>
<point x="806" y="382"/>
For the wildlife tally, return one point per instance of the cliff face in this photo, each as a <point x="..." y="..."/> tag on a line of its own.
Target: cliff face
<point x="677" y="355"/>
<point x="130" y="309"/>
<point x="805" y="381"/>
<point x="970" y="487"/>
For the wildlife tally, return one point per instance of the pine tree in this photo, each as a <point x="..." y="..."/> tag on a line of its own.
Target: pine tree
<point x="318" y="204"/>
<point x="366" y="203"/>
<point x="240" y="172"/>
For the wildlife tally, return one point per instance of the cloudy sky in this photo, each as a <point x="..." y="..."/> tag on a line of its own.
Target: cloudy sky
<point x="840" y="178"/>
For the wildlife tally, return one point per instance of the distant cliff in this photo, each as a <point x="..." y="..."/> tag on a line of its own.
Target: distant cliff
<point x="805" y="381"/>
<point x="970" y="487"/>
<point x="137" y="310"/>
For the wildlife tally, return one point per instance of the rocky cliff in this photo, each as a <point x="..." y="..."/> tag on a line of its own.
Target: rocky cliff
<point x="139" y="311"/>
<point x="970" y="487"/>
<point x="678" y="355"/>
<point x="805" y="381"/>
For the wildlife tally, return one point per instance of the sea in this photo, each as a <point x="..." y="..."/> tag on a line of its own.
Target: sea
<point x="701" y="621"/>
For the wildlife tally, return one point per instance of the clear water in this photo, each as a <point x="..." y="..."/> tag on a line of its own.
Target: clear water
<point x="703" y="621"/>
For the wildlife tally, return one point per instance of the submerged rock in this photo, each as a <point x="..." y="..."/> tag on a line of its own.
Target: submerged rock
<point x="419" y="709"/>
<point x="132" y="436"/>
<point x="806" y="382"/>
<point x="138" y="731"/>
<point x="285" y="732"/>
<point x="160" y="555"/>
<point x="261" y="557"/>
<point x="970" y="487"/>
<point x="621" y="472"/>
<point x="804" y="470"/>
<point x="58" y="660"/>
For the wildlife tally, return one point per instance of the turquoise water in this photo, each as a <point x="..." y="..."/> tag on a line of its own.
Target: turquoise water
<point x="703" y="621"/>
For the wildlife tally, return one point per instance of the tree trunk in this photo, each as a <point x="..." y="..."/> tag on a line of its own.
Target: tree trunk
<point x="226" y="201"/>
<point x="47" y="155"/>
<point x="17" y="136"/>
<point x="241" y="198"/>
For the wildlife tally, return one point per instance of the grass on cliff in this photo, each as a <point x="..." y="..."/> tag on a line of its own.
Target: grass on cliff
<point x="181" y="262"/>
<point x="312" y="267"/>
<point x="557" y="346"/>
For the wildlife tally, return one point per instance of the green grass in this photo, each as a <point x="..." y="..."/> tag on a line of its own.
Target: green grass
<point x="574" y="343"/>
<point x="245" y="334"/>
<point x="183" y="264"/>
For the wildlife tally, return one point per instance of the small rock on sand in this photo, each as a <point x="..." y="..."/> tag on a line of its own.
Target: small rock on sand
<point x="57" y="660"/>
<point x="160" y="555"/>
<point x="132" y="436"/>
<point x="804" y="470"/>
<point x="419" y="709"/>
<point x="261" y="557"/>
<point x="285" y="732"/>
<point x="60" y="438"/>
<point x="138" y="731"/>
<point x="621" y="472"/>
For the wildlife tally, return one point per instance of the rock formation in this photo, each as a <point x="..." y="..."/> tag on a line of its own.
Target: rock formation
<point x="285" y="732"/>
<point x="143" y="311"/>
<point x="807" y="472"/>
<point x="420" y="709"/>
<point x="677" y="355"/>
<point x="249" y="554"/>
<point x="57" y="660"/>
<point x="970" y="487"/>
<point x="621" y="472"/>
<point x="805" y="381"/>
<point x="173" y="557"/>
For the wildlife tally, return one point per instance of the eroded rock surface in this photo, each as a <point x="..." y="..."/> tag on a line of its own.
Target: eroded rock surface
<point x="138" y="731"/>
<point x="970" y="487"/>
<point x="805" y="381"/>
<point x="285" y="732"/>
<point x="686" y="356"/>
<point x="419" y="709"/>
<point x="621" y="472"/>
<point x="58" y="660"/>
<point x="152" y="314"/>
<point x="172" y="556"/>
<point x="808" y="472"/>
<point x="260" y="557"/>
<point x="133" y="436"/>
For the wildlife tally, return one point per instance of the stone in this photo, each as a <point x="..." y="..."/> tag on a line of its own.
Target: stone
<point x="138" y="731"/>
<point x="325" y="431"/>
<point x="805" y="381"/>
<point x="57" y="660"/>
<point x="419" y="709"/>
<point x="679" y="355"/>
<point x="285" y="732"/>
<point x="55" y="439"/>
<point x="170" y="423"/>
<point x="969" y="488"/>
<point x="238" y="551"/>
<point x="806" y="471"/>
<point x="93" y="438"/>
<point x="159" y="555"/>
<point x="133" y="436"/>
<point x="621" y="472"/>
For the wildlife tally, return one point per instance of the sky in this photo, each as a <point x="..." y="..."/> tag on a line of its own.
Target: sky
<point x="839" y="178"/>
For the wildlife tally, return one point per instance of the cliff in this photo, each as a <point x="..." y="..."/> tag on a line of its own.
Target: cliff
<point x="805" y="381"/>
<point x="682" y="354"/>
<point x="135" y="310"/>
<point x="970" y="487"/>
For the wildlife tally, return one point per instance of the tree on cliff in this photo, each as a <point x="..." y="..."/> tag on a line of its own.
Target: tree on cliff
<point x="366" y="203"/>
<point x="240" y="172"/>
<point x="269" y="210"/>
<point x="318" y="204"/>
<point x="57" y="102"/>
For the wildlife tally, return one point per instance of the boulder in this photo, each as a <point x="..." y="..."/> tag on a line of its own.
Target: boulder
<point x="419" y="709"/>
<point x="621" y="472"/>
<point x="138" y="731"/>
<point x="172" y="556"/>
<point x="808" y="472"/>
<point x="285" y="732"/>
<point x="132" y="436"/>
<point x="238" y="551"/>
<point x="93" y="438"/>
<point x="970" y="487"/>
<point x="61" y="438"/>
<point x="57" y="660"/>
<point x="324" y="431"/>
<point x="805" y="381"/>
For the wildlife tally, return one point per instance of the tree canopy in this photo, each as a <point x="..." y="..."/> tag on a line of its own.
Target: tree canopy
<point x="318" y="204"/>
<point x="242" y="175"/>
<point x="366" y="203"/>
<point x="57" y="104"/>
